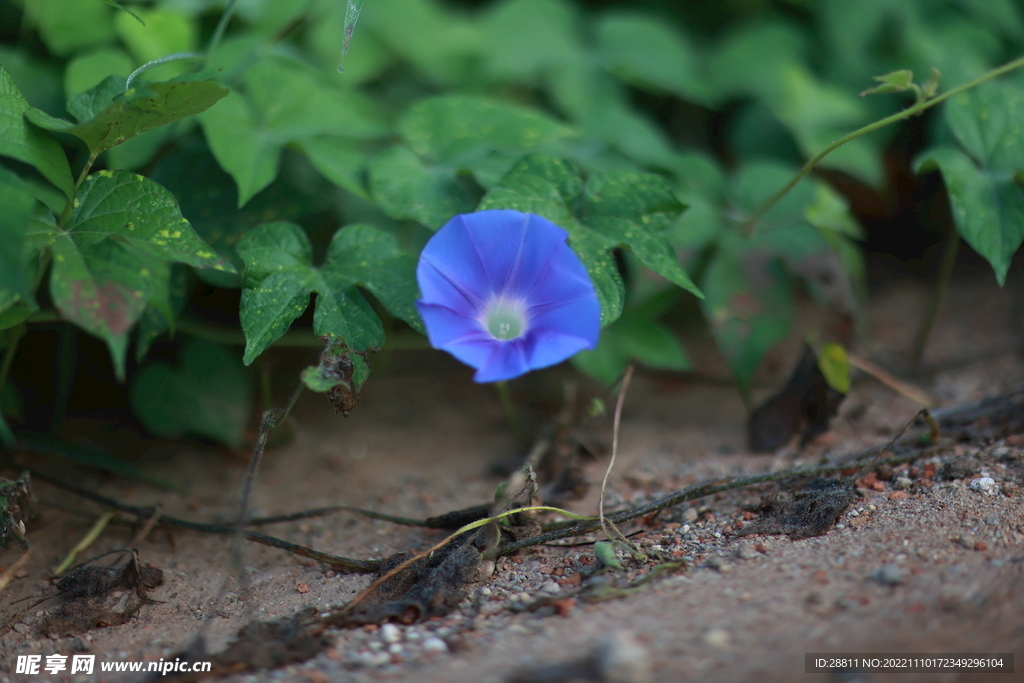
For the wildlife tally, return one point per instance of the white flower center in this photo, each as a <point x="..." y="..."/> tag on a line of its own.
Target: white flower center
<point x="505" y="319"/>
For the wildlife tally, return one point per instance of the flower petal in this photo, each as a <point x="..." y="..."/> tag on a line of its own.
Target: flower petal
<point x="437" y="288"/>
<point x="445" y="325"/>
<point x="579" y="318"/>
<point x="507" y="360"/>
<point x="453" y="257"/>
<point x="545" y="348"/>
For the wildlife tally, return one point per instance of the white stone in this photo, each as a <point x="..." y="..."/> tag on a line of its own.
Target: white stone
<point x="435" y="645"/>
<point x="390" y="633"/>
<point x="986" y="485"/>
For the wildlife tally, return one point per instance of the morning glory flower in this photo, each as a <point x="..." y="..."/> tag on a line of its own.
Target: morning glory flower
<point x="503" y="292"/>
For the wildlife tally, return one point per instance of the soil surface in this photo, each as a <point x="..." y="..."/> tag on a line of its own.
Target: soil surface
<point x="929" y="558"/>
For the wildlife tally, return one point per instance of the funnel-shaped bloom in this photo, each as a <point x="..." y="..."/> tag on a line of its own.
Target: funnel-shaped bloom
<point x="504" y="293"/>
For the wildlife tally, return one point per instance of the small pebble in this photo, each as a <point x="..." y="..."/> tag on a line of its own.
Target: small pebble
<point x="550" y="587"/>
<point x="718" y="638"/>
<point x="621" y="658"/>
<point x="690" y="514"/>
<point x="390" y="633"/>
<point x="902" y="483"/>
<point x="434" y="644"/>
<point x="395" y="648"/>
<point x="986" y="485"/>
<point x="888" y="575"/>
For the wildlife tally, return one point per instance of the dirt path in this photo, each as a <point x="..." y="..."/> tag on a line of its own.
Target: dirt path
<point x="909" y="568"/>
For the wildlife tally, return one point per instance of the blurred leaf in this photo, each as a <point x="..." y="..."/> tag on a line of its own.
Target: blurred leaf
<point x="606" y="555"/>
<point x="635" y="337"/>
<point x="284" y="103"/>
<point x="72" y="452"/>
<point x="338" y="159"/>
<point x="750" y="59"/>
<point x="40" y="82"/>
<point x="208" y="393"/>
<point x="835" y="367"/>
<point x="549" y="187"/>
<point x="895" y="81"/>
<point x="987" y="205"/>
<point x="816" y="113"/>
<point x="280" y="276"/>
<point x="86" y="71"/>
<point x="25" y="142"/>
<point x="748" y="306"/>
<point x="635" y="210"/>
<point x="103" y="272"/>
<point x="526" y="38"/>
<point x="67" y="26"/>
<point x="166" y="31"/>
<point x="478" y="134"/>
<point x="13" y="311"/>
<point x="830" y="211"/>
<point x="649" y="51"/>
<point x="598" y="105"/>
<point x="16" y="208"/>
<point x="105" y="122"/>
<point x="404" y="187"/>
<point x="433" y="39"/>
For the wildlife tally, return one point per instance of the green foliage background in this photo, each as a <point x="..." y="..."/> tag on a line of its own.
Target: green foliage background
<point x="243" y="158"/>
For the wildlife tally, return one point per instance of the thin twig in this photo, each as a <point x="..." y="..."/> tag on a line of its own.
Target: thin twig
<point x="616" y="420"/>
<point x="945" y="274"/>
<point x="8" y="575"/>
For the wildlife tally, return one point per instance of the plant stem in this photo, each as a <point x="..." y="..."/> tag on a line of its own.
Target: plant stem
<point x="511" y="413"/>
<point x="78" y="183"/>
<point x="750" y="225"/>
<point x="938" y="294"/>
<point x="222" y="26"/>
<point x="5" y="368"/>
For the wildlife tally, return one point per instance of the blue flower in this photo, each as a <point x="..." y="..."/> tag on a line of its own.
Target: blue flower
<point x="503" y="292"/>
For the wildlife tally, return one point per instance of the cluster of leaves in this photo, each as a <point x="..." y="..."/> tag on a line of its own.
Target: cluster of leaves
<point x="259" y="154"/>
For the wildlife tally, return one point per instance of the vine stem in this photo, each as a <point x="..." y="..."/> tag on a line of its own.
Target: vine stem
<point x="78" y="183"/>
<point x="508" y="404"/>
<point x="750" y="225"/>
<point x="938" y="294"/>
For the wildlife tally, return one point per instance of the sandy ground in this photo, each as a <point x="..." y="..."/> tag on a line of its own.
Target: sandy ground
<point x="936" y="569"/>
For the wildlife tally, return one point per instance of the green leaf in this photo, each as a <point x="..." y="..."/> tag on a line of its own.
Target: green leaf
<point x="165" y="31"/>
<point x="749" y="308"/>
<point x="208" y="198"/>
<point x="831" y="212"/>
<point x="16" y="208"/>
<point x="442" y="43"/>
<point x="25" y="142"/>
<point x="988" y="121"/>
<point x="633" y="337"/>
<point x="648" y="51"/>
<point x="279" y="277"/>
<point x="283" y="103"/>
<point x="835" y="367"/>
<point x="526" y="38"/>
<point x="134" y="112"/>
<point x="549" y="187"/>
<point x="88" y="70"/>
<point x="67" y="26"/>
<point x="404" y="187"/>
<point x="606" y="555"/>
<point x="635" y="210"/>
<point x="166" y="301"/>
<point x="208" y="393"/>
<point x="478" y="134"/>
<point x="103" y="261"/>
<point x="895" y="81"/>
<point x="338" y="159"/>
<point x="987" y="205"/>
